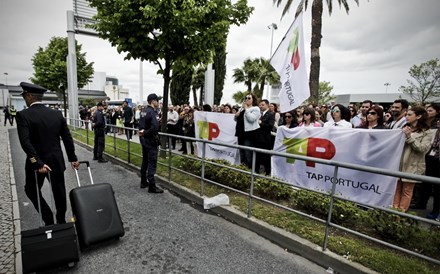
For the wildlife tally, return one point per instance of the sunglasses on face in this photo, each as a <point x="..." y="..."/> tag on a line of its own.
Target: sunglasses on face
<point x="372" y="113"/>
<point x="288" y="116"/>
<point x="336" y="110"/>
<point x="248" y="98"/>
<point x="306" y="113"/>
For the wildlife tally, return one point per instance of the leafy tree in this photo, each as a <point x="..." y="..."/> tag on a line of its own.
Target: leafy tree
<point x="324" y="94"/>
<point x="426" y="84"/>
<point x="220" y="73"/>
<point x="317" y="7"/>
<point x="256" y="72"/>
<point x="172" y="34"/>
<point x="198" y="82"/>
<point x="51" y="69"/>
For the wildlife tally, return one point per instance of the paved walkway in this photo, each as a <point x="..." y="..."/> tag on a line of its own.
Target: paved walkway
<point x="164" y="233"/>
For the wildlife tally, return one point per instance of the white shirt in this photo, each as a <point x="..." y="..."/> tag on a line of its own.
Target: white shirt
<point x="174" y="116"/>
<point x="341" y="123"/>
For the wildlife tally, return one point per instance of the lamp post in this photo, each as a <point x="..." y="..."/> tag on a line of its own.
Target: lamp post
<point x="6" y="79"/>
<point x="273" y="27"/>
<point x="386" y="86"/>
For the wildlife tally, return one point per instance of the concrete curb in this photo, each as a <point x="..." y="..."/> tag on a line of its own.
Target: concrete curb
<point x="15" y="212"/>
<point x="281" y="237"/>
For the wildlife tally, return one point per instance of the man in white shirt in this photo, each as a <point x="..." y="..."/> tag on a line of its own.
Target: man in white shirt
<point x="173" y="118"/>
<point x="398" y="112"/>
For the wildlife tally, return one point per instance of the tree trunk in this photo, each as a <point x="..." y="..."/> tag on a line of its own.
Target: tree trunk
<point x="202" y="95"/>
<point x="314" y="47"/>
<point x="166" y="88"/>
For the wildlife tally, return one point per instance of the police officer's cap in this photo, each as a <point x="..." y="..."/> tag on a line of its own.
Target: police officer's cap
<point x="99" y="104"/>
<point x="152" y="97"/>
<point x="31" y="88"/>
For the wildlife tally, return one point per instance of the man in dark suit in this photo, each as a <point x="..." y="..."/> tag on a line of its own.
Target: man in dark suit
<point x="99" y="125"/>
<point x="39" y="130"/>
<point x="128" y="119"/>
<point x="263" y="137"/>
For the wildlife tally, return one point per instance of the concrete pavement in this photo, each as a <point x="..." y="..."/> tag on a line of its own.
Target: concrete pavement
<point x="164" y="233"/>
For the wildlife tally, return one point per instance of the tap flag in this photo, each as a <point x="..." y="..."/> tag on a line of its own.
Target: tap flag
<point x="289" y="61"/>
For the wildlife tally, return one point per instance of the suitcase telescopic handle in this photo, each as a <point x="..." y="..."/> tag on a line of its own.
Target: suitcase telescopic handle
<point x="90" y="172"/>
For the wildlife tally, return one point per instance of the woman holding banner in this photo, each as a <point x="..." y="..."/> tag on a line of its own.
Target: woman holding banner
<point x="417" y="144"/>
<point x="247" y="123"/>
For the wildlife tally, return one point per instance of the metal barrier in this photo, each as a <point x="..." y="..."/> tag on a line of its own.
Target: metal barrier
<point x="328" y="223"/>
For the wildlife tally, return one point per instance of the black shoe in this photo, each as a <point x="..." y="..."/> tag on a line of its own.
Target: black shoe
<point x="185" y="152"/>
<point x="144" y="185"/>
<point x="102" y="160"/>
<point x="155" y="190"/>
<point x="95" y="158"/>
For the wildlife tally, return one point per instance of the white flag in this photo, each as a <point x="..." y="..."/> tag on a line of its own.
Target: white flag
<point x="289" y="61"/>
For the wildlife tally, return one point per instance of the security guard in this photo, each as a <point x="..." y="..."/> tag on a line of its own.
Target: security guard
<point x="13" y="113"/>
<point x="99" y="130"/>
<point x="149" y="137"/>
<point x="39" y="130"/>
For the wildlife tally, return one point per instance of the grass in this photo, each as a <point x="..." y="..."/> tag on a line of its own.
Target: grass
<point x="353" y="248"/>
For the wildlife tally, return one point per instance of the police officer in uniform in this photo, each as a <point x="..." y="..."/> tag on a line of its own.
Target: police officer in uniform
<point x="39" y="130"/>
<point x="149" y="137"/>
<point x="99" y="130"/>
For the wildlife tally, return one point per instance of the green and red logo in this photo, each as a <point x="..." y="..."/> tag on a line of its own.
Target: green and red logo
<point x="294" y="49"/>
<point x="208" y="130"/>
<point x="312" y="147"/>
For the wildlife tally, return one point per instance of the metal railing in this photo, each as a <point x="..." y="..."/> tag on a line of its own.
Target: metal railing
<point x="337" y="164"/>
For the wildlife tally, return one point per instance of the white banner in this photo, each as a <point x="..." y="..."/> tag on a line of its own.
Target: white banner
<point x="375" y="148"/>
<point x="289" y="61"/>
<point x="218" y="127"/>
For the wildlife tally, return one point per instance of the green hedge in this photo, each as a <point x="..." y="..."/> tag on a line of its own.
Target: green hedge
<point x="402" y="231"/>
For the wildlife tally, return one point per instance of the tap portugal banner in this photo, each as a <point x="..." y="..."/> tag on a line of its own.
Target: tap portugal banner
<point x="375" y="148"/>
<point x="218" y="127"/>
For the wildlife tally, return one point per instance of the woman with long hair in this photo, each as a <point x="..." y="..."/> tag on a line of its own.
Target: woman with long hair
<point x="274" y="108"/>
<point x="289" y="119"/>
<point x="417" y="144"/>
<point x="374" y="118"/>
<point x="309" y="118"/>
<point x="247" y="124"/>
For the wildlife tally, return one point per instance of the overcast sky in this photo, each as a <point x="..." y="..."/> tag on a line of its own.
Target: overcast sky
<point x="375" y="44"/>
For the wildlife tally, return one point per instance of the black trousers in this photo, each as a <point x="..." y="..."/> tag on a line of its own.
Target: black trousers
<point x="59" y="194"/>
<point x="172" y="129"/>
<point x="128" y="132"/>
<point x="98" y="148"/>
<point x="148" y="167"/>
<point x="426" y="189"/>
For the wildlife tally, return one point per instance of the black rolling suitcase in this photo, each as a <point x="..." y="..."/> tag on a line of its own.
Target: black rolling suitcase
<point x="49" y="246"/>
<point x="95" y="211"/>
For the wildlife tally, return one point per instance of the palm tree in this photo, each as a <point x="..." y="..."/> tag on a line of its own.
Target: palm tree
<point x="266" y="74"/>
<point x="315" y="44"/>
<point x="245" y="74"/>
<point x="256" y="72"/>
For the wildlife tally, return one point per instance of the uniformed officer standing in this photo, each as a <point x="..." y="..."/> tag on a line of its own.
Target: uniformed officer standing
<point x="99" y="130"/>
<point x="39" y="130"/>
<point x="149" y="137"/>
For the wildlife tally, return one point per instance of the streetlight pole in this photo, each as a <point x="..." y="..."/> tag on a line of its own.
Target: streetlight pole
<point x="386" y="86"/>
<point x="272" y="27"/>
<point x="6" y="79"/>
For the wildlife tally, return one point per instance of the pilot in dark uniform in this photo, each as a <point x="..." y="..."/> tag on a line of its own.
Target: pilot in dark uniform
<point x="149" y="137"/>
<point x="39" y="130"/>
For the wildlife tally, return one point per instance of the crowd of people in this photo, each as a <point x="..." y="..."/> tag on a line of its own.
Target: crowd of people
<point x="258" y="120"/>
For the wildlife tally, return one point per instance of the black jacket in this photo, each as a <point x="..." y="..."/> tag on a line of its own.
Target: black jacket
<point x="149" y="123"/>
<point x="264" y="137"/>
<point x="39" y="130"/>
